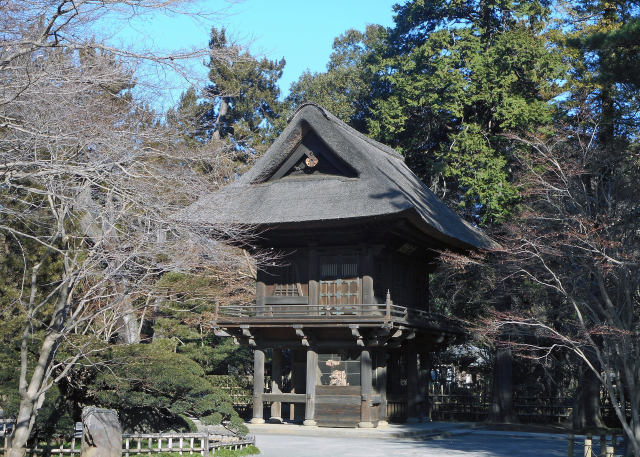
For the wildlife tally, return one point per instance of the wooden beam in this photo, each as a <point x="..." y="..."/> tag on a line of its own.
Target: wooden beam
<point x="258" y="386"/>
<point x="285" y="398"/>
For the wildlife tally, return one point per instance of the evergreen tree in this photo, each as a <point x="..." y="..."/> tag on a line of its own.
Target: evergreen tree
<point x="240" y="105"/>
<point x="346" y="89"/>
<point x="457" y="77"/>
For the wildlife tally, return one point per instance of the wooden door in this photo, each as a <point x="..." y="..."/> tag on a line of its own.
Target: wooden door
<point x="340" y="283"/>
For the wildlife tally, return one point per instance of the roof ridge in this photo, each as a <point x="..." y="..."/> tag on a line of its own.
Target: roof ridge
<point x="299" y="108"/>
<point x="340" y="123"/>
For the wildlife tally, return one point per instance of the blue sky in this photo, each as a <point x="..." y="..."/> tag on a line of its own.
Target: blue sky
<point x="300" y="31"/>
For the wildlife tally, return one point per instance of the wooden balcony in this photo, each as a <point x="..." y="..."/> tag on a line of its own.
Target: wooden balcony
<point x="374" y="315"/>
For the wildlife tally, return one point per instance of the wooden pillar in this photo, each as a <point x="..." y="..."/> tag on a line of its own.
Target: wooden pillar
<point x="261" y="291"/>
<point x="314" y="276"/>
<point x="310" y="406"/>
<point x="258" y="386"/>
<point x="381" y="382"/>
<point x="367" y="278"/>
<point x="366" y="375"/>
<point x="276" y="382"/>
<point x="425" y="377"/>
<point x="413" y="395"/>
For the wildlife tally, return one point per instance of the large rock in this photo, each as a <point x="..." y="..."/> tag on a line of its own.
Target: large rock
<point x="101" y="433"/>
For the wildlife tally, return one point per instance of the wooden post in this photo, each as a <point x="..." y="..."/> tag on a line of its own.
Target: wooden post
<point x="365" y="389"/>
<point x="314" y="276"/>
<point x="603" y="445"/>
<point x="381" y="378"/>
<point x="206" y="443"/>
<point x="258" y="386"/>
<point x="261" y="291"/>
<point x="291" y="374"/>
<point x="276" y="382"/>
<point x="587" y="446"/>
<point x="310" y="406"/>
<point x="367" y="278"/>
<point x="570" y="450"/>
<point x="426" y="361"/>
<point x="412" y="382"/>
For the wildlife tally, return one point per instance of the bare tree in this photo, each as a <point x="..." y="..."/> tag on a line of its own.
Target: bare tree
<point x="579" y="238"/>
<point x="92" y="179"/>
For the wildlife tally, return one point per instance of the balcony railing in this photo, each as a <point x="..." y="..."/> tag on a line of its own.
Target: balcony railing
<point x="303" y="313"/>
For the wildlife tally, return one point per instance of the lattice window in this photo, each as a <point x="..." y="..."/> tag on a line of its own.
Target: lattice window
<point x="339" y="283"/>
<point x="289" y="284"/>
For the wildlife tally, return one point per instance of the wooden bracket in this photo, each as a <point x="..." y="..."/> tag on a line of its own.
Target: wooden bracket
<point x="303" y="337"/>
<point x="355" y="331"/>
<point x="246" y="333"/>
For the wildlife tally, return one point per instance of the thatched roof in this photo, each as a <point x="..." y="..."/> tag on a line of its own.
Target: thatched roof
<point x="356" y="177"/>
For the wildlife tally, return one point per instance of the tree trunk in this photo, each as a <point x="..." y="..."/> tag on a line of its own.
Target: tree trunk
<point x="222" y="111"/>
<point x="586" y="412"/>
<point x="129" y="326"/>
<point x="502" y="391"/>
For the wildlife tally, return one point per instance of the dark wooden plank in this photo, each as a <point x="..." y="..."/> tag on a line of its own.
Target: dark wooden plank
<point x="273" y="300"/>
<point x="337" y="415"/>
<point x="346" y="400"/>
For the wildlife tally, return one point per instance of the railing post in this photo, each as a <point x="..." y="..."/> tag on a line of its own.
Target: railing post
<point x="206" y="445"/>
<point x="587" y="446"/>
<point x="388" y="304"/>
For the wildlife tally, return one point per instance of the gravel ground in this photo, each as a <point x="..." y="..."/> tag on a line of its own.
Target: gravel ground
<point x="455" y="444"/>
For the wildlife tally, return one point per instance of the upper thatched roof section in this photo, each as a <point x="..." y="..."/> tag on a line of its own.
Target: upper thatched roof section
<point x="361" y="178"/>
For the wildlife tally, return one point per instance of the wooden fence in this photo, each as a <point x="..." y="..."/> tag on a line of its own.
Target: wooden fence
<point x="147" y="443"/>
<point x="604" y="446"/>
